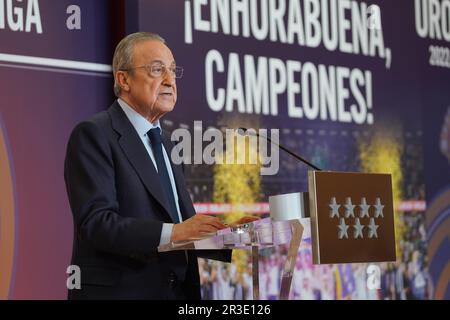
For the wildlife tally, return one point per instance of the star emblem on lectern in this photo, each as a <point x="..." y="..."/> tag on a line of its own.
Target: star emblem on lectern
<point x="342" y="229"/>
<point x="373" y="229"/>
<point x="352" y="217"/>
<point x="349" y="207"/>
<point x="378" y="208"/>
<point x="358" y="223"/>
<point x="334" y="208"/>
<point x="358" y="229"/>
<point x="364" y="208"/>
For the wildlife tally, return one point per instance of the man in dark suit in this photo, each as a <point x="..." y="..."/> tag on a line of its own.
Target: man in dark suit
<point x="126" y="196"/>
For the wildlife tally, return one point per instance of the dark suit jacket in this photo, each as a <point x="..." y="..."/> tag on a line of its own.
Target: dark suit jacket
<point x="118" y="211"/>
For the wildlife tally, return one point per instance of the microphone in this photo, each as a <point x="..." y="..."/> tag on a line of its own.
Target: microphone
<point x="244" y="131"/>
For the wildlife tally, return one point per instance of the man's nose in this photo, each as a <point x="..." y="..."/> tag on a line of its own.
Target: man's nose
<point x="169" y="78"/>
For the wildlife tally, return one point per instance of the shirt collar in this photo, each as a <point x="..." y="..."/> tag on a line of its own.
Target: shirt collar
<point x="140" y="124"/>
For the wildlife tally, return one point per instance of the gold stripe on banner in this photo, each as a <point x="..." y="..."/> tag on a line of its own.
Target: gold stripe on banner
<point x="7" y="231"/>
<point x="443" y="283"/>
<point x="436" y="207"/>
<point x="442" y="232"/>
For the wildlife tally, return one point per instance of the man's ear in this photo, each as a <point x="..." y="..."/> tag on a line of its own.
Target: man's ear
<point x="123" y="80"/>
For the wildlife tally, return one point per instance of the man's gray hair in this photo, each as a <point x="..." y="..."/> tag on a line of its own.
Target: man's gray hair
<point x="123" y="55"/>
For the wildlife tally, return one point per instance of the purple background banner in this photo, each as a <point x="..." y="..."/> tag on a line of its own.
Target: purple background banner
<point x="40" y="106"/>
<point x="408" y="89"/>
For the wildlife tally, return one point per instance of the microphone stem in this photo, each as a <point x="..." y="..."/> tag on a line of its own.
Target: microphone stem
<point x="293" y="154"/>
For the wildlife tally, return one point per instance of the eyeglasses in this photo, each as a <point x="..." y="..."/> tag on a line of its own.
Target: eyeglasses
<point x="159" y="70"/>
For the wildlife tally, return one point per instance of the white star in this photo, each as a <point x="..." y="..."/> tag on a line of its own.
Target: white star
<point x="342" y="229"/>
<point x="334" y="208"/>
<point x="349" y="207"/>
<point x="378" y="208"/>
<point x="358" y="230"/>
<point x="373" y="229"/>
<point x="364" y="208"/>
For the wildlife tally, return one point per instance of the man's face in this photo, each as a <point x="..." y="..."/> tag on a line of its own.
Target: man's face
<point x="152" y="96"/>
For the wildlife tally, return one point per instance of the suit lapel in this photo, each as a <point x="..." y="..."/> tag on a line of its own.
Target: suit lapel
<point x="136" y="153"/>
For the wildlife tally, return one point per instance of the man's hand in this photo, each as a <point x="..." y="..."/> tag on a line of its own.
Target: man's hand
<point x="196" y="227"/>
<point x="243" y="220"/>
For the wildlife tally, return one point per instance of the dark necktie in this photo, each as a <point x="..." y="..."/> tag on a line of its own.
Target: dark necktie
<point x="157" y="148"/>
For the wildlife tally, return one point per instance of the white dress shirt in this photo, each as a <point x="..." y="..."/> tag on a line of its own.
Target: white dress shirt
<point x="142" y="126"/>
